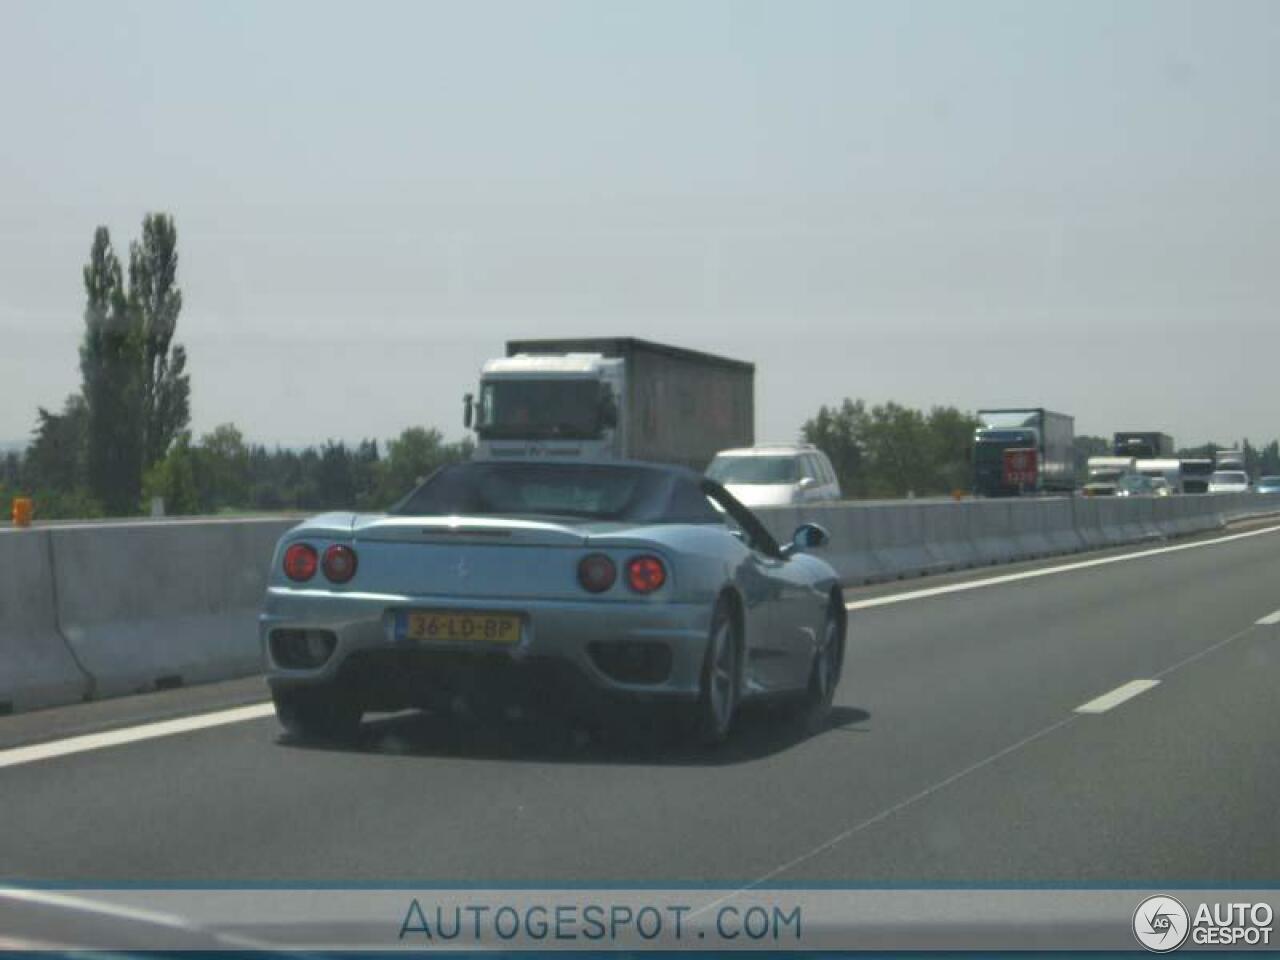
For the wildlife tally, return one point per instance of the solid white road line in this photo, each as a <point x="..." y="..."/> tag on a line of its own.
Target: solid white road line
<point x="149" y="731"/>
<point x="1046" y="572"/>
<point x="1117" y="696"/>
<point x="1269" y="619"/>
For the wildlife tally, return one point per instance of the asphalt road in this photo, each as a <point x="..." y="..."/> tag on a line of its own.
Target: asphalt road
<point x="956" y="754"/>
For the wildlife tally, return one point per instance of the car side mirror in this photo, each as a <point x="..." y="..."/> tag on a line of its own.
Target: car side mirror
<point x="808" y="536"/>
<point x="468" y="405"/>
<point x="807" y="482"/>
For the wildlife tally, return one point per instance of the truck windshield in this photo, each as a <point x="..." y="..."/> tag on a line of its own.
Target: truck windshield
<point x="1105" y="476"/>
<point x="754" y="470"/>
<point x="989" y="450"/>
<point x="544" y="409"/>
<point x="1008" y="419"/>
<point x="1142" y="449"/>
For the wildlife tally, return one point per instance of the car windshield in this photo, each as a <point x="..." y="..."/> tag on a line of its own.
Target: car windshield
<point x="1229" y="476"/>
<point x="755" y="470"/>
<point x="1269" y="482"/>
<point x="594" y="492"/>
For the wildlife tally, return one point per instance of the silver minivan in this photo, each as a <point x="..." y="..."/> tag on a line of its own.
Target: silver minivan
<point x="776" y="475"/>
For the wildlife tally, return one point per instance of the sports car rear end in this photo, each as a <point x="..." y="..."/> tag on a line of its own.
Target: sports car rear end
<point x="432" y="607"/>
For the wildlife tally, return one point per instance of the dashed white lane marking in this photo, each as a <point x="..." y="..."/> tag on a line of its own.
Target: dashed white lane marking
<point x="1269" y="619"/>
<point x="1117" y="696"/>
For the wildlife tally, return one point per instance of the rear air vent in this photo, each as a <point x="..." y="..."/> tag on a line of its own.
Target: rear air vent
<point x="633" y="661"/>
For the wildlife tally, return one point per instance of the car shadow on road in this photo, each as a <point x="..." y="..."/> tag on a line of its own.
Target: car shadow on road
<point x="759" y="732"/>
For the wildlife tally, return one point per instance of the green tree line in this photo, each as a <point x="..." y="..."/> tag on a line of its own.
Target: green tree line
<point x="222" y="473"/>
<point x="890" y="450"/>
<point x="124" y="438"/>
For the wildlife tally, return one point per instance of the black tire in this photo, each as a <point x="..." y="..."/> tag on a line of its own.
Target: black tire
<point x="721" y="686"/>
<point x="824" y="675"/>
<point x="317" y="713"/>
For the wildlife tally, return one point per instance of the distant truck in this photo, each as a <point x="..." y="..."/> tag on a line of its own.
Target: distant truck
<point x="1196" y="472"/>
<point x="1143" y="445"/>
<point x="1170" y="468"/>
<point x="1002" y="433"/>
<point x="611" y="398"/>
<point x="1105" y="473"/>
<point x="1229" y="460"/>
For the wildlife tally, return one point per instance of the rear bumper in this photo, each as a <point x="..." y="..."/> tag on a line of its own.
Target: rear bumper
<point x="572" y="647"/>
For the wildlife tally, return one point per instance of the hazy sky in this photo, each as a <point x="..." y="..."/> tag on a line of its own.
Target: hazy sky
<point x="1072" y="205"/>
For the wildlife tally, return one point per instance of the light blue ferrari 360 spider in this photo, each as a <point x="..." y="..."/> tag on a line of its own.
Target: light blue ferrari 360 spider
<point x="565" y="583"/>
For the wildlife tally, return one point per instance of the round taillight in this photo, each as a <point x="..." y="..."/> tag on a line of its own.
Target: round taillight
<point x="646" y="574"/>
<point x="596" y="573"/>
<point x="339" y="563"/>
<point x="300" y="562"/>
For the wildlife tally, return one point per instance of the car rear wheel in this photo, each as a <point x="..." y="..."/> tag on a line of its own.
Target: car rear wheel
<point x="316" y="713"/>
<point x="721" y="678"/>
<point x="824" y="675"/>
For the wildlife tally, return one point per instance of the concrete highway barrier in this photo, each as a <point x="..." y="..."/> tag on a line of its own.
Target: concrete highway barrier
<point x="873" y="542"/>
<point x="104" y="609"/>
<point x="37" y="669"/>
<point x="149" y="606"/>
<point x="899" y="541"/>
<point x="1119" y="521"/>
<point x="947" y="528"/>
<point x="992" y="530"/>
<point x="1060" y="526"/>
<point x="1199" y="514"/>
<point x="1086" y="518"/>
<point x="1027" y="522"/>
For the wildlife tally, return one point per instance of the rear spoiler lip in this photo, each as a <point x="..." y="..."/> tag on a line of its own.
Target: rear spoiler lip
<point x="460" y="529"/>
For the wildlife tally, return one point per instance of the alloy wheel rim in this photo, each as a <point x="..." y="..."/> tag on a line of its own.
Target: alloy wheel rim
<point x="827" y="664"/>
<point x="722" y="676"/>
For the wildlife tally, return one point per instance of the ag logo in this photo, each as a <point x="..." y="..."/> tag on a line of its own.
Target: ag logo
<point x="1161" y="924"/>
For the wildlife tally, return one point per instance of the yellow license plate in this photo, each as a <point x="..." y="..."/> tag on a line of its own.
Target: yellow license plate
<point x="482" y="627"/>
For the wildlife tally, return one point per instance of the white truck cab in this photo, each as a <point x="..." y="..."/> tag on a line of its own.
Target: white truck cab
<point x="537" y="405"/>
<point x="1105" y="474"/>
